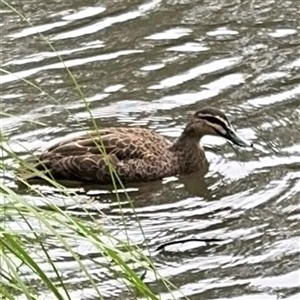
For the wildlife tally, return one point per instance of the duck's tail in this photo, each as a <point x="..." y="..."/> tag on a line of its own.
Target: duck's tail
<point x="33" y="167"/>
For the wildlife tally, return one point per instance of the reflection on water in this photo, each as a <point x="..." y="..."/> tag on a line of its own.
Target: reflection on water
<point x="149" y="63"/>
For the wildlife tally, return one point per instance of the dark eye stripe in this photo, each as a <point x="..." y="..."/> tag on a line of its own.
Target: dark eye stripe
<point x="215" y="121"/>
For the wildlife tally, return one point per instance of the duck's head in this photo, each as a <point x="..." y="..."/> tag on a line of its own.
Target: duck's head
<point x="211" y="121"/>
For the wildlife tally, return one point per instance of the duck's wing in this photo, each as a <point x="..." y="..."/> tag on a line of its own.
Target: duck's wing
<point x="87" y="167"/>
<point x="124" y="143"/>
<point x="99" y="169"/>
<point x="136" y="154"/>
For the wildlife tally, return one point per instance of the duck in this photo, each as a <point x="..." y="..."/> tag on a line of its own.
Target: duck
<point x="135" y="154"/>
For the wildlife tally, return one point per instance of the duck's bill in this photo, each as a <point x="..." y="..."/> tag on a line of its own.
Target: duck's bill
<point x="232" y="136"/>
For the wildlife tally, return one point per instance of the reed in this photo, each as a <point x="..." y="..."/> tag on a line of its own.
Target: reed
<point x="26" y="226"/>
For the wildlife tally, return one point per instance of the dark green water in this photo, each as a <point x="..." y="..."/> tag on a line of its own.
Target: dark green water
<point x="148" y="63"/>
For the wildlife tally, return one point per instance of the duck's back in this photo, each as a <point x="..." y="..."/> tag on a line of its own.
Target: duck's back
<point x="135" y="153"/>
<point x="125" y="142"/>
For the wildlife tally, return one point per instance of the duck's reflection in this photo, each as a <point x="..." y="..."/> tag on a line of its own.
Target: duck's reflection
<point x="168" y="190"/>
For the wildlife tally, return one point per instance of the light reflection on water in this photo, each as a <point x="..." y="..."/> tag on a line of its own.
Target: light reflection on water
<point x="149" y="63"/>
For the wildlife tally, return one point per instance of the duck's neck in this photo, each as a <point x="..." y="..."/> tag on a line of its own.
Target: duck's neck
<point x="189" y="152"/>
<point x="186" y="143"/>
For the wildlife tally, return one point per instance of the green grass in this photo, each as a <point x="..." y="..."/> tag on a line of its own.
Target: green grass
<point x="59" y="224"/>
<point x="25" y="255"/>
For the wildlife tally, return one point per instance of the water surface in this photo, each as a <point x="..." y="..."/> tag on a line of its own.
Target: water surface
<point x="149" y="63"/>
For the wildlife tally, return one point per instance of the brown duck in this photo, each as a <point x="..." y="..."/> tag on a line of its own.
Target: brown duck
<point x="136" y="154"/>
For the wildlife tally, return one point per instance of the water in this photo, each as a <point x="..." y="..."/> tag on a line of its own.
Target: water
<point x="149" y="63"/>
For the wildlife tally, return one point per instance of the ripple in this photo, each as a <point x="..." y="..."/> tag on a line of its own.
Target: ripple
<point x="149" y="63"/>
<point x="45" y="55"/>
<point x="170" y="34"/>
<point x="85" y="13"/>
<point x="152" y="67"/>
<point x="109" y="21"/>
<point x="275" y="98"/>
<point x="278" y="33"/>
<point x="66" y="64"/>
<point x="38" y="29"/>
<point x="196" y="72"/>
<point x="189" y="47"/>
<point x="222" y="31"/>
